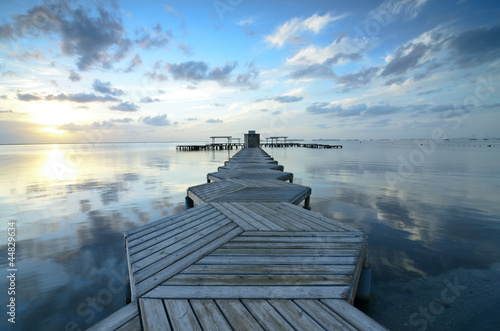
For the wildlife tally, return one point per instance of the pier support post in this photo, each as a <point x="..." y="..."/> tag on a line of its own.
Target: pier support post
<point x="364" y="285"/>
<point x="307" y="203"/>
<point x="189" y="203"/>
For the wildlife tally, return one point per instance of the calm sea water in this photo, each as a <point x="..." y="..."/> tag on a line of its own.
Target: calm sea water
<point x="430" y="210"/>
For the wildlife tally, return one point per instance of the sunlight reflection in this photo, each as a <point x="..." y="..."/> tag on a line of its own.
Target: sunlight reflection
<point x="57" y="167"/>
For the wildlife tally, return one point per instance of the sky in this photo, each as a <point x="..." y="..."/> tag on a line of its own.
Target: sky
<point x="153" y="71"/>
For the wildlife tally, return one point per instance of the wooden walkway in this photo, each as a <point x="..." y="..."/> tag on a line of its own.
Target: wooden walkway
<point x="249" y="173"/>
<point x="249" y="190"/>
<point x="243" y="264"/>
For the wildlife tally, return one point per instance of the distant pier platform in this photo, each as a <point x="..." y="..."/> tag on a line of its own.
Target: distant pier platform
<point x="299" y="144"/>
<point x="231" y="146"/>
<point x="207" y="147"/>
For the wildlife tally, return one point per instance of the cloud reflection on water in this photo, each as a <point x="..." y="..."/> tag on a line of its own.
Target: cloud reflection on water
<point x="443" y="217"/>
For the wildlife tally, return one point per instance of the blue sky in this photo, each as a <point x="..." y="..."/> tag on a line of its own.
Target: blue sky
<point x="184" y="70"/>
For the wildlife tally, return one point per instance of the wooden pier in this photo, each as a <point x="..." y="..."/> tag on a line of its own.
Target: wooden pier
<point x="230" y="145"/>
<point x="298" y="144"/>
<point x="244" y="256"/>
<point x="207" y="147"/>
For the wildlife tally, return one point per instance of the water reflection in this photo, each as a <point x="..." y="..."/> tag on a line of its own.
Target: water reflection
<point x="442" y="217"/>
<point x="72" y="204"/>
<point x="110" y="193"/>
<point x="57" y="166"/>
<point x="85" y="206"/>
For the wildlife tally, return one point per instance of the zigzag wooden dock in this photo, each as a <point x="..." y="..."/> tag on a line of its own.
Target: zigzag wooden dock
<point x="244" y="256"/>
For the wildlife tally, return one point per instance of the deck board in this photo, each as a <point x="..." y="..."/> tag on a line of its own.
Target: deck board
<point x="181" y="315"/>
<point x="352" y="315"/>
<point x="250" y="292"/>
<point x="238" y="316"/>
<point x="243" y="166"/>
<point x="267" y="315"/>
<point x="153" y="315"/>
<point x="252" y="269"/>
<point x="120" y="318"/>
<point x="249" y="173"/>
<point x="209" y="315"/>
<point x="245" y="221"/>
<point x="248" y="190"/>
<point x="293" y="314"/>
<point x="193" y="253"/>
<point x="256" y="280"/>
<point x="324" y="316"/>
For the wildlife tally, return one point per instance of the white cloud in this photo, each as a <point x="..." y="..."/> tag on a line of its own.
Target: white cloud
<point x="158" y="120"/>
<point x="289" y="29"/>
<point x="390" y="9"/>
<point x="246" y="21"/>
<point x="316" y="55"/>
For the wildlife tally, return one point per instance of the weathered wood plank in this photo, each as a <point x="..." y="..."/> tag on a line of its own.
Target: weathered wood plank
<point x="209" y="315"/>
<point x="259" y="219"/>
<point x="157" y="225"/>
<point x="285" y="259"/>
<point x="318" y="246"/>
<point x="307" y="213"/>
<point x="252" y="269"/>
<point x="133" y="325"/>
<point x="250" y="245"/>
<point x="238" y="316"/>
<point x="284" y="239"/>
<point x="153" y="315"/>
<point x="118" y="318"/>
<point x="310" y="234"/>
<point x="352" y="315"/>
<point x="181" y="315"/>
<point x="249" y="173"/>
<point x="235" y="216"/>
<point x="254" y="207"/>
<point x="266" y="315"/>
<point x="249" y="161"/>
<point x="270" y="214"/>
<point x="243" y="166"/>
<point x="262" y="194"/>
<point x="173" y="238"/>
<point x="207" y="192"/>
<point x="256" y="280"/>
<point x="175" y="248"/>
<point x="249" y="292"/>
<point x="287" y="251"/>
<point x="357" y="273"/>
<point x="327" y="318"/>
<point x="188" y="256"/>
<point x="294" y="315"/>
<point x="306" y="218"/>
<point x="158" y="231"/>
<point x="131" y="279"/>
